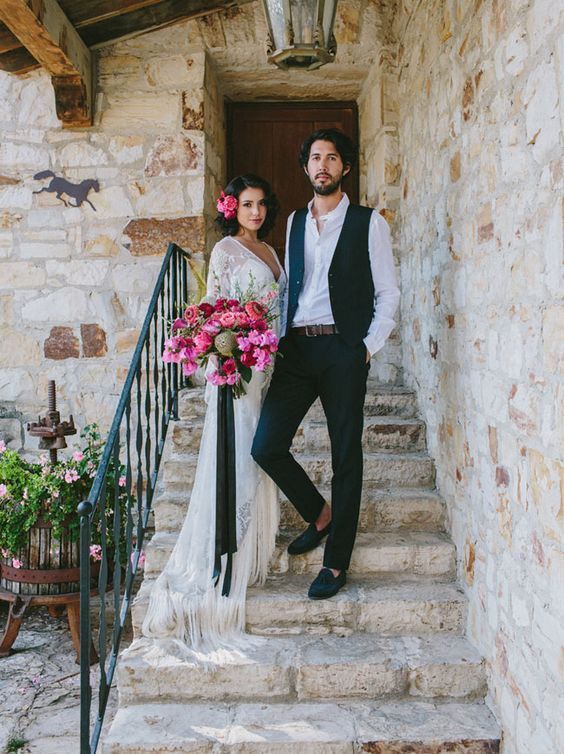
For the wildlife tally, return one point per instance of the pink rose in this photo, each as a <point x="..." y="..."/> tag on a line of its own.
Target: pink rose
<point x="228" y="319"/>
<point x="254" y="310"/>
<point x="243" y="319"/>
<point x="191" y="314"/>
<point x="212" y="326"/>
<point x="203" y="341"/>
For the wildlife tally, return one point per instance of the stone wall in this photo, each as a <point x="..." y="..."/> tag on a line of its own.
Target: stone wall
<point x="480" y="89"/>
<point x="75" y="281"/>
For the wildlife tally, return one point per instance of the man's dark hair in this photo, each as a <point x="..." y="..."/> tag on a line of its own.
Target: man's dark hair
<point x="348" y="152"/>
<point x="234" y="188"/>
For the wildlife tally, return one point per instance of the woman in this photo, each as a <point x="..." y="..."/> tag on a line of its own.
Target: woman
<point x="184" y="602"/>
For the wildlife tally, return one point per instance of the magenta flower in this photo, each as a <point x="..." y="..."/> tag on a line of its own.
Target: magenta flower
<point x="203" y="341"/>
<point x="96" y="552"/>
<point x="179" y="324"/>
<point x="17" y="563"/>
<point x="71" y="476"/>
<point x="189" y="368"/>
<point x="121" y="481"/>
<point x="3" y="490"/>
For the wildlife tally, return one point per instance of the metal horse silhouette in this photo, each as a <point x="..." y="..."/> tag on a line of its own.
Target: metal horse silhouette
<point x="60" y="186"/>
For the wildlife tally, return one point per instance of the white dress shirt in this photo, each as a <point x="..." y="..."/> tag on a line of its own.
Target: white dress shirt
<point x="314" y="304"/>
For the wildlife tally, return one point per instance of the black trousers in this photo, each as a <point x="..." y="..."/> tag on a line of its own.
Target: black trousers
<point x="308" y="367"/>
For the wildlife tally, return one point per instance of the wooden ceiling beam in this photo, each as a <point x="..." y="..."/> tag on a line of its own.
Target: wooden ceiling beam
<point x="47" y="34"/>
<point x="148" y="17"/>
<point x="18" y="61"/>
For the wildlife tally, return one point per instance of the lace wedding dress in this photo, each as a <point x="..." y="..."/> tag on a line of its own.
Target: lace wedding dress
<point x="184" y="602"/>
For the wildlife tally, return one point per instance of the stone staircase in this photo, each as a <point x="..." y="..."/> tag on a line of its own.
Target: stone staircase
<point x="383" y="667"/>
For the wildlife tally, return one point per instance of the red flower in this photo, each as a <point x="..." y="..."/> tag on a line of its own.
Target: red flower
<point x="206" y="309"/>
<point x="248" y="359"/>
<point x="254" y="310"/>
<point x="234" y="305"/>
<point x="220" y="304"/>
<point x="191" y="314"/>
<point x="229" y="366"/>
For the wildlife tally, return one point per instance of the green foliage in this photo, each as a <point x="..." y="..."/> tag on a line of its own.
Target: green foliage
<point x="15" y="744"/>
<point x="33" y="492"/>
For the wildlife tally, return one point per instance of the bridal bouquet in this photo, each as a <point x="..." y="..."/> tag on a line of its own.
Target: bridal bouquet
<point x="234" y="333"/>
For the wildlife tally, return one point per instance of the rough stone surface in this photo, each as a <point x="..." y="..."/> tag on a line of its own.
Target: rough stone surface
<point x="483" y="99"/>
<point x="62" y="343"/>
<point x="93" y="341"/>
<point x="150" y="237"/>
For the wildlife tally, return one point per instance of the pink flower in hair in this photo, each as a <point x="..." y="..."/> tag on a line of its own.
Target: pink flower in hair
<point x="227" y="205"/>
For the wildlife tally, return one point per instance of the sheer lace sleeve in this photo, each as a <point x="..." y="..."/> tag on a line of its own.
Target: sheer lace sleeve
<point x="218" y="283"/>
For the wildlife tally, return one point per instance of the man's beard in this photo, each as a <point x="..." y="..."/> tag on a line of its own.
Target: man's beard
<point x="325" y="189"/>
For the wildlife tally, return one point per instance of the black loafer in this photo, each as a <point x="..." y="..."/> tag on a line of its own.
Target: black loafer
<point x="308" y="540"/>
<point x="326" y="585"/>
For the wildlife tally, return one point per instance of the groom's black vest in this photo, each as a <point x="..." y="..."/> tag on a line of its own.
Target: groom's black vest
<point x="351" y="288"/>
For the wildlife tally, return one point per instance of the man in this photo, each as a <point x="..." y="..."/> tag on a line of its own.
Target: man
<point x="342" y="297"/>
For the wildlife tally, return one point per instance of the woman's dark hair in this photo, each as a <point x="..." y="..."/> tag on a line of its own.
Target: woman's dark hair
<point x="348" y="152"/>
<point x="234" y="188"/>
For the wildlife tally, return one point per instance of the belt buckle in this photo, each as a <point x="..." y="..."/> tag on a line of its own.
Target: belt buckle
<point x="312" y="331"/>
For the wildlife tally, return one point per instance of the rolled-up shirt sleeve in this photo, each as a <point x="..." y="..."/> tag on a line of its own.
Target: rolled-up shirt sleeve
<point x="386" y="291"/>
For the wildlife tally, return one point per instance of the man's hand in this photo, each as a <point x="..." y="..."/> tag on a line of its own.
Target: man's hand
<point x="368" y="355"/>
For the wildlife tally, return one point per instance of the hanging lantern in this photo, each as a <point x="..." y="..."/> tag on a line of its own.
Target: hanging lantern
<point x="300" y="32"/>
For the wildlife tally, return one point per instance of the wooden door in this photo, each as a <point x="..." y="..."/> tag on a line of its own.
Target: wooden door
<point x="265" y="138"/>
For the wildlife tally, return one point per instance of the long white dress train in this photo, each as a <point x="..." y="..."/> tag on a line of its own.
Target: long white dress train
<point x="184" y="603"/>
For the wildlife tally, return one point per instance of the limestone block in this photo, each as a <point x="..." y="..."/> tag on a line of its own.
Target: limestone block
<point x="151" y="236"/>
<point x="141" y="112"/>
<point x="62" y="343"/>
<point x="16" y="197"/>
<point x="126" y="149"/>
<point x="136" y="277"/>
<point x="194" y="189"/>
<point x="157" y="197"/>
<point x="11" y="432"/>
<point x="111" y="202"/>
<point x="193" y="110"/>
<point x="23" y="156"/>
<point x="101" y="245"/>
<point x="175" y="72"/>
<point x="93" y="340"/>
<point x="21" y="275"/>
<point x="126" y="340"/>
<point x="553" y="339"/>
<point x="15" y="384"/>
<point x="42" y="250"/>
<point x="176" y="155"/>
<point x="542" y="114"/>
<point x="18" y="349"/>
<point x="80" y="154"/>
<point x="64" y="305"/>
<point x="77" y="272"/>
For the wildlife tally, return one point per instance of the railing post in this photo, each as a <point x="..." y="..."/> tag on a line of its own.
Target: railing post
<point x="85" y="511"/>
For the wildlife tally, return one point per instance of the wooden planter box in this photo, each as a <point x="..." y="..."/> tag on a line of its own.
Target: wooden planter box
<point x="51" y="565"/>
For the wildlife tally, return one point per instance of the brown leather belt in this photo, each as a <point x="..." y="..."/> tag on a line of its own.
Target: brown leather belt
<point x="312" y="330"/>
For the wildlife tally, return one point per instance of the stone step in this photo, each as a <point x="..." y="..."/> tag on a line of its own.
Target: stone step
<point x="380" y="433"/>
<point x="386" y="606"/>
<point x="380" y="510"/>
<point x="360" y="666"/>
<point x="380" y="469"/>
<point x="308" y="728"/>
<point x="413" y="553"/>
<point x="381" y="400"/>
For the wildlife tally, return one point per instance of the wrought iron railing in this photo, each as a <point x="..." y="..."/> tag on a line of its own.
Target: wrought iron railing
<point x="119" y="504"/>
